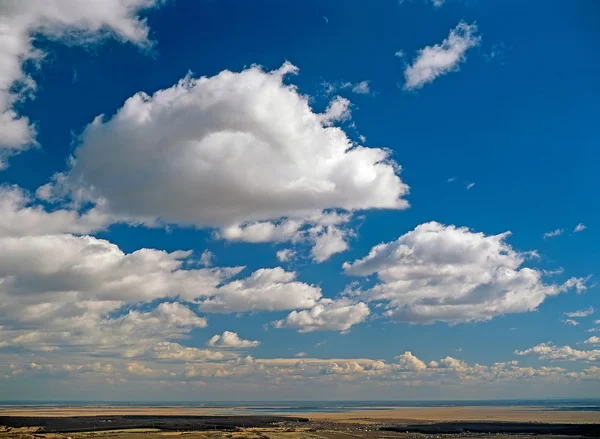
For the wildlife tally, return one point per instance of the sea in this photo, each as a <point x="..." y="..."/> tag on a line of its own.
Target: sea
<point x="291" y="407"/>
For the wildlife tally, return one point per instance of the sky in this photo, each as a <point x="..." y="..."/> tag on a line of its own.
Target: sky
<point x="224" y="200"/>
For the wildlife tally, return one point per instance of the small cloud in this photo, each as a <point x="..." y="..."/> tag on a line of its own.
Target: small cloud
<point x="451" y="179"/>
<point x="441" y="59"/>
<point x="580" y="313"/>
<point x="207" y="258"/>
<point x="438" y="3"/>
<point x="399" y="54"/>
<point x="470" y="186"/>
<point x="362" y="138"/>
<point x="300" y="354"/>
<point x="459" y="350"/>
<point x="361" y="87"/>
<point x="321" y="343"/>
<point x="559" y="270"/>
<point x="74" y="79"/>
<point x="570" y="322"/>
<point x="579" y="228"/>
<point x="554" y="233"/>
<point x="285" y="255"/>
<point x="326" y="19"/>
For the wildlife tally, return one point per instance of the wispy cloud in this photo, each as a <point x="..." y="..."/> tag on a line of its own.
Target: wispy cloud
<point x="579" y="228"/>
<point x="580" y="313"/>
<point x="554" y="233"/>
<point x="440" y="59"/>
<point x="571" y="322"/>
<point x="470" y="186"/>
<point x="451" y="179"/>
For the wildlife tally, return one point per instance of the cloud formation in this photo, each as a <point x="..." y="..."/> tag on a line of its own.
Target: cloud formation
<point x="231" y="340"/>
<point x="580" y="313"/>
<point x="241" y="152"/>
<point x="549" y="351"/>
<point x="440" y="59"/>
<point x="452" y="274"/>
<point x="554" y="233"/>
<point x="68" y="21"/>
<point x="326" y="315"/>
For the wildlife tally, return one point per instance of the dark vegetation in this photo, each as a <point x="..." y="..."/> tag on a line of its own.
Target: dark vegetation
<point x="169" y="423"/>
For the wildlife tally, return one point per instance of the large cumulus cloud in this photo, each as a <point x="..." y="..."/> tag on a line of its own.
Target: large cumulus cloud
<point x="240" y="152"/>
<point x="452" y="274"/>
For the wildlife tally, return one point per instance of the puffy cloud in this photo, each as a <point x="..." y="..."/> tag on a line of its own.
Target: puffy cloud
<point x="593" y="340"/>
<point x="285" y="255"/>
<point x="240" y="152"/>
<point x="554" y="233"/>
<point x="570" y="322"/>
<point x="42" y="269"/>
<point x="580" y="313"/>
<point x="267" y="289"/>
<point x="452" y="274"/>
<point x="328" y="241"/>
<point x="549" y="351"/>
<point x="579" y="228"/>
<point x="231" y="340"/>
<point x="70" y="21"/>
<point x="19" y="216"/>
<point x="326" y="315"/>
<point x="407" y="361"/>
<point x="440" y="59"/>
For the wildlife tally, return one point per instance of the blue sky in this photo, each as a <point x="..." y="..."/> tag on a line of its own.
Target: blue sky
<point x="361" y="161"/>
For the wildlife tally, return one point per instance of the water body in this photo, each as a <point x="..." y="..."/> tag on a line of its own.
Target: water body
<point x="291" y="407"/>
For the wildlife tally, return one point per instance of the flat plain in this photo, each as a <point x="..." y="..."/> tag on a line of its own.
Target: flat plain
<point x="380" y="423"/>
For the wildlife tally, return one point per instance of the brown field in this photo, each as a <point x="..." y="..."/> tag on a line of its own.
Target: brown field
<point x="405" y="414"/>
<point x="359" y="424"/>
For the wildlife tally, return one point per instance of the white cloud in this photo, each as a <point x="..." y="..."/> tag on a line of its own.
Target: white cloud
<point x="593" y="340"/>
<point x="579" y="228"/>
<point x="452" y="274"/>
<point x="301" y="354"/>
<point x="407" y="361"/>
<point x="327" y="315"/>
<point x="399" y="54"/>
<point x="231" y="340"/>
<point x="285" y="255"/>
<point x="571" y="322"/>
<point x="451" y="179"/>
<point x="361" y="87"/>
<point x="267" y="289"/>
<point x="70" y="21"/>
<point x="549" y="351"/>
<point x="249" y="156"/>
<point x="553" y="233"/>
<point x="328" y="241"/>
<point x="580" y="313"/>
<point x="76" y="292"/>
<point x="434" y="61"/>
<point x="19" y="216"/>
<point x="207" y="258"/>
<point x="438" y="3"/>
<point x="469" y="186"/>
